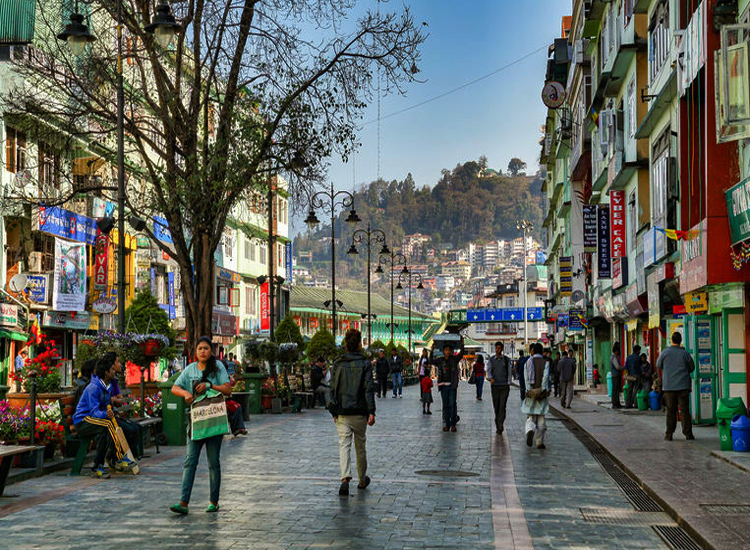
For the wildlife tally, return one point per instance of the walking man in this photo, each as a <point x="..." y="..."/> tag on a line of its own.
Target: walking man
<point x="381" y="371"/>
<point x="536" y="405"/>
<point x="567" y="369"/>
<point x="447" y="378"/>
<point x="635" y="370"/>
<point x="616" y="370"/>
<point x="498" y="375"/>
<point x="520" y="364"/>
<point x="353" y="408"/>
<point x="397" y="367"/>
<point x="677" y="365"/>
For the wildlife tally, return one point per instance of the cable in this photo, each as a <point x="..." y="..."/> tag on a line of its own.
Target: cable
<point x="458" y="88"/>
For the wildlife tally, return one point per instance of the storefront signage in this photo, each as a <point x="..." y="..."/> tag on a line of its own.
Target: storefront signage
<point x="566" y="276"/>
<point x="633" y="302"/>
<point x="101" y="261"/>
<point x="63" y="319"/>
<point x="265" y="320"/>
<point x="604" y="259"/>
<point x="69" y="289"/>
<point x="617" y="206"/>
<point x="589" y="228"/>
<point x="36" y="288"/>
<point x="8" y="315"/>
<point x="161" y="230"/>
<point x="63" y="223"/>
<point x="649" y="248"/>
<point x="738" y="211"/>
<point x="575" y="318"/>
<point x="224" y="324"/>
<point x="104" y="305"/>
<point x="289" y="272"/>
<point x="694" y="273"/>
<point x="727" y="298"/>
<point x="654" y="302"/>
<point x="227" y="275"/>
<point x="696" y="302"/>
<point x="664" y="271"/>
<point x="631" y="325"/>
<point x="619" y="272"/>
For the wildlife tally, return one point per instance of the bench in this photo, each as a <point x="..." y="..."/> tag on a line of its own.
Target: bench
<point x="147" y="423"/>
<point x="7" y="452"/>
<point x="75" y="445"/>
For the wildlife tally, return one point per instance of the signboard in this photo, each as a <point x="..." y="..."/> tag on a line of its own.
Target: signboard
<point x="696" y="302"/>
<point x="566" y="276"/>
<point x="617" y="207"/>
<point x="535" y="313"/>
<point x="104" y="305"/>
<point x="738" y="211"/>
<point x="513" y="314"/>
<point x="553" y="94"/>
<point x="475" y="315"/>
<point x="289" y="273"/>
<point x="694" y="273"/>
<point x="604" y="259"/>
<point x="616" y="272"/>
<point x="37" y="288"/>
<point x="574" y="320"/>
<point x="649" y="247"/>
<point x="63" y="223"/>
<point x="8" y="315"/>
<point x="161" y="230"/>
<point x="69" y="290"/>
<point x="265" y="320"/>
<point x="62" y="319"/>
<point x="101" y="261"/>
<point x="224" y="324"/>
<point x="654" y="303"/>
<point x="493" y="315"/>
<point x="589" y="228"/>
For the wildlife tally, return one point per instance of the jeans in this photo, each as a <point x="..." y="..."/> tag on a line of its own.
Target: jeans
<point x="682" y="398"/>
<point x="213" y="452"/>
<point x="236" y="421"/>
<point x="448" y="395"/>
<point x="398" y="381"/>
<point x="480" y="386"/>
<point x="381" y="386"/>
<point x="633" y="388"/>
<point x="566" y="393"/>
<point x="324" y="393"/>
<point x="616" y="388"/>
<point x="352" y="427"/>
<point x="499" y="403"/>
<point x="133" y="433"/>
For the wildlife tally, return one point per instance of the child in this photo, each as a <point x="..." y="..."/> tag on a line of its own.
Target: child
<point x="426" y="384"/>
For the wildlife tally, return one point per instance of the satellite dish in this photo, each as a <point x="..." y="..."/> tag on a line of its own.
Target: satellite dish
<point x="578" y="296"/>
<point x="18" y="283"/>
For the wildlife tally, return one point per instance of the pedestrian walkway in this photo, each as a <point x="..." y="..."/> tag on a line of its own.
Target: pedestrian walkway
<point x="693" y="480"/>
<point x="471" y="489"/>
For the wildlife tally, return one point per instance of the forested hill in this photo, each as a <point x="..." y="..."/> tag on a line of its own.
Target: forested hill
<point x="470" y="203"/>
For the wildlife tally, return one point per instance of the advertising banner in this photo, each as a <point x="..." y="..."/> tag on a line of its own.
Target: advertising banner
<point x="738" y="211"/>
<point x="604" y="259"/>
<point x="37" y="288"/>
<point x="161" y="230"/>
<point x="566" y="276"/>
<point x="63" y="223"/>
<point x="8" y="315"/>
<point x="101" y="261"/>
<point x="265" y="319"/>
<point x="589" y="228"/>
<point x="69" y="288"/>
<point x="289" y="273"/>
<point x="617" y="207"/>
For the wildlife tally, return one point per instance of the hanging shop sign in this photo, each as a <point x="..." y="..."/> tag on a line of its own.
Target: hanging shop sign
<point x="617" y="207"/>
<point x="101" y="261"/>
<point x="619" y="272"/>
<point x="69" y="288"/>
<point x="696" y="302"/>
<point x="589" y="228"/>
<point x="738" y="211"/>
<point x="604" y="258"/>
<point x="104" y="304"/>
<point x="265" y="317"/>
<point x="37" y="288"/>
<point x="161" y="230"/>
<point x="8" y="315"/>
<point x="694" y="273"/>
<point x="63" y="223"/>
<point x="728" y="297"/>
<point x="566" y="276"/>
<point x="664" y="271"/>
<point x="553" y="94"/>
<point x="288" y="257"/>
<point x="636" y="306"/>
<point x="64" y="319"/>
<point x="654" y="302"/>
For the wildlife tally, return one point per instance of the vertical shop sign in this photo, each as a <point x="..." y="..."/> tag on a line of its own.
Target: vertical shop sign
<point x="617" y="206"/>
<point x="101" y="261"/>
<point x="566" y="276"/>
<point x="172" y="309"/>
<point x="265" y="318"/>
<point x="289" y="273"/>
<point x="589" y="228"/>
<point x="604" y="259"/>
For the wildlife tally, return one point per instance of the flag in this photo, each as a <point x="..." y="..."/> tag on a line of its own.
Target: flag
<point x="595" y="116"/>
<point x="36" y="333"/>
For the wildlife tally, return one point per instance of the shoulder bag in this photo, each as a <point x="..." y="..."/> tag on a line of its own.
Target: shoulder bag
<point x="208" y="416"/>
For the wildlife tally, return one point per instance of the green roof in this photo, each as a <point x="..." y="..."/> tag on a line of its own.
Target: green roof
<point x="312" y="299"/>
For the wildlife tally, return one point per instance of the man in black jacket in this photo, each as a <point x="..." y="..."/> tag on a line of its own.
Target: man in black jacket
<point x="318" y="381"/>
<point x="397" y="368"/>
<point x="447" y="382"/>
<point x="353" y="408"/>
<point x="382" y="370"/>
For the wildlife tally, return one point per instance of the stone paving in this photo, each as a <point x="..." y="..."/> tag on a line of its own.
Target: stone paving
<point x="280" y="486"/>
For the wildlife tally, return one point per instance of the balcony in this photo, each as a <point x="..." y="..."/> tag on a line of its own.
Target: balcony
<point x="628" y="42"/>
<point x="564" y="209"/>
<point x="592" y="17"/>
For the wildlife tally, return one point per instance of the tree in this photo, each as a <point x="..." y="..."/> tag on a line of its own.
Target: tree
<point x="515" y="166"/>
<point x="246" y="93"/>
<point x="144" y="316"/>
<point x="323" y="345"/>
<point x="288" y="331"/>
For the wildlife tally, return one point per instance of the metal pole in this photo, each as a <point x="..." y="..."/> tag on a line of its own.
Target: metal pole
<point x="333" y="262"/>
<point x="392" y="327"/>
<point x="271" y="283"/>
<point x="120" y="180"/>
<point x="409" y="325"/>
<point x="369" y="319"/>
<point x="32" y="409"/>
<point x="525" y="291"/>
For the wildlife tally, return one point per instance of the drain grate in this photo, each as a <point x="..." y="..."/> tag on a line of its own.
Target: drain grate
<point x="614" y="516"/>
<point x="726" y="508"/>
<point x="446" y="473"/>
<point x="676" y="537"/>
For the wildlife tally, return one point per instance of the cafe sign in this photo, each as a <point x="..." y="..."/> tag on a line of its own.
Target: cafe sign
<point x="8" y="315"/>
<point x="738" y="211"/>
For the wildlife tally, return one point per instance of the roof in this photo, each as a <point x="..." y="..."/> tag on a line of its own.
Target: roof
<point x="305" y="298"/>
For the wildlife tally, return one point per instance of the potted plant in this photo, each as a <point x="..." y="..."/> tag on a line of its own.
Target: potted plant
<point x="44" y="366"/>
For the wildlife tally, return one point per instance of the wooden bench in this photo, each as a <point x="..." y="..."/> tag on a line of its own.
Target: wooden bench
<point x="7" y="452"/>
<point x="152" y="424"/>
<point x="75" y="445"/>
<point x="302" y="397"/>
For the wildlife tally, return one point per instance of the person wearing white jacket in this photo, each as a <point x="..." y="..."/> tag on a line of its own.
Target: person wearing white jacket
<point x="536" y="405"/>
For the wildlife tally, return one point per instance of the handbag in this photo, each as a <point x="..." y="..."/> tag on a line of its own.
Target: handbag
<point x="472" y="379"/>
<point x="208" y="416"/>
<point x="537" y="394"/>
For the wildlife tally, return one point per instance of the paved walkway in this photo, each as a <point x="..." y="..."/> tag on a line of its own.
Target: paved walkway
<point x="280" y="487"/>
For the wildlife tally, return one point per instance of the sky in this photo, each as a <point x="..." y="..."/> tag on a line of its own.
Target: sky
<point x="498" y="117"/>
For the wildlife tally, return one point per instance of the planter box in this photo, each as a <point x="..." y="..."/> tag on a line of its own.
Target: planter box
<point x="18" y="400"/>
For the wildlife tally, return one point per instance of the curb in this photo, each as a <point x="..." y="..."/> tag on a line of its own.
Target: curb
<point x="671" y="512"/>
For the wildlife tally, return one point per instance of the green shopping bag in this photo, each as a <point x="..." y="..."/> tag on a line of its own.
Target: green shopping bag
<point x="208" y="416"/>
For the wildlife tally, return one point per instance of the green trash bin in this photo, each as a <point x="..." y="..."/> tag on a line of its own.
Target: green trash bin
<point x="642" y="397"/>
<point x="174" y="413"/>
<point x="252" y="387"/>
<point x="725" y="410"/>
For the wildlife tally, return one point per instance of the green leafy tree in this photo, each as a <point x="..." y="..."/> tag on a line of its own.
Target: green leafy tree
<point x="322" y="344"/>
<point x="144" y="316"/>
<point x="516" y="166"/>
<point x="288" y="331"/>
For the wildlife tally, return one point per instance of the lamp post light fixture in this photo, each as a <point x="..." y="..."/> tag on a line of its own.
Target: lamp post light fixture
<point x="391" y="259"/>
<point x="334" y="198"/>
<point x="525" y="226"/>
<point x="77" y="35"/>
<point x="368" y="237"/>
<point x="409" y="276"/>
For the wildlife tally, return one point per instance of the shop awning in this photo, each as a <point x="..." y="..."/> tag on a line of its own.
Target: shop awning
<point x="13" y="335"/>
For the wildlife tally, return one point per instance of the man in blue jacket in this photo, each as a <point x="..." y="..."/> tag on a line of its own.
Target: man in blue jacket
<point x="93" y="419"/>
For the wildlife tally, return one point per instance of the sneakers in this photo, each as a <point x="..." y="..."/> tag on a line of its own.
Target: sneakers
<point x="212" y="508"/>
<point x="401" y="396"/>
<point x="238" y="433"/>
<point x="529" y="438"/>
<point x="344" y="489"/>
<point x="100" y="472"/>
<point x="124" y="464"/>
<point x="179" y="509"/>
<point x="690" y="437"/>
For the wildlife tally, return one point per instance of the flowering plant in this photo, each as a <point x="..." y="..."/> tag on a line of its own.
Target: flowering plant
<point x="153" y="405"/>
<point x="15" y="425"/>
<point x="50" y="432"/>
<point x="129" y="345"/>
<point x="44" y="366"/>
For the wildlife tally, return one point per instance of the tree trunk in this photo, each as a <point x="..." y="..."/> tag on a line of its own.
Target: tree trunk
<point x="198" y="290"/>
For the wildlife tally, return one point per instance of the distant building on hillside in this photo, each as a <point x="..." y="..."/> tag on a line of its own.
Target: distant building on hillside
<point x="412" y="245"/>
<point x="459" y="270"/>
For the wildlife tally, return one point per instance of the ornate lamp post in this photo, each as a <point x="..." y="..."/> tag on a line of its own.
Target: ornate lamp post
<point x="368" y="237"/>
<point x="525" y="226"/>
<point x="409" y="276"/>
<point x="334" y="198"/>
<point x="392" y="259"/>
<point x="76" y="33"/>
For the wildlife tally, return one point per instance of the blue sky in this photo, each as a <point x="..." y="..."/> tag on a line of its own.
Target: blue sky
<point x="498" y="117"/>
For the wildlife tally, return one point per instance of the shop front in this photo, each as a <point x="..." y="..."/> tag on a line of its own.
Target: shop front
<point x="67" y="329"/>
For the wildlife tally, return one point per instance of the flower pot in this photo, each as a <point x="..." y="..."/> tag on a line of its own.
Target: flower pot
<point x="265" y="402"/>
<point x="151" y="347"/>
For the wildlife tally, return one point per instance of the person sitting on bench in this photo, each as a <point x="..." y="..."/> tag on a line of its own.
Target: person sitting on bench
<point x="132" y="430"/>
<point x="93" y="419"/>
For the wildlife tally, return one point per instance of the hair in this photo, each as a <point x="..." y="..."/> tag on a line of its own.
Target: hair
<point x="480" y="359"/>
<point x="424" y="351"/>
<point x="320" y="359"/>
<point x="502" y="346"/>
<point x="103" y="367"/>
<point x="547" y="350"/>
<point x="644" y="356"/>
<point x="616" y="348"/>
<point x="211" y="366"/>
<point x="448" y="345"/>
<point x="352" y="340"/>
<point x="538" y="348"/>
<point x="231" y="356"/>
<point x="677" y="338"/>
<point x="564" y="353"/>
<point x="23" y="351"/>
<point x="88" y="367"/>
<point x="108" y="360"/>
<point x="110" y="357"/>
<point x="520" y="353"/>
<point x="636" y="349"/>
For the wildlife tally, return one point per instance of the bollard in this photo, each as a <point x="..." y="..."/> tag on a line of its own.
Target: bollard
<point x="32" y="412"/>
<point x="143" y="393"/>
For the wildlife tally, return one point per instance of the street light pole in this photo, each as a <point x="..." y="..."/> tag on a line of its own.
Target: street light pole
<point x="392" y="259"/>
<point x="419" y="287"/>
<point x="368" y="237"/>
<point x="525" y="225"/>
<point x="336" y="198"/>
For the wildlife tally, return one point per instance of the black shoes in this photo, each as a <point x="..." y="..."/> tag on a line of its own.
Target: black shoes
<point x="363" y="485"/>
<point x="529" y="439"/>
<point x="667" y="437"/>
<point x="690" y="437"/>
<point x="344" y="489"/>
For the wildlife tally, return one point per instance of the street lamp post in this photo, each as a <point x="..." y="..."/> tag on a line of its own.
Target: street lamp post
<point x="392" y="259"/>
<point x="77" y="34"/>
<point x="409" y="277"/>
<point x="525" y="226"/>
<point x="335" y="198"/>
<point x="368" y="237"/>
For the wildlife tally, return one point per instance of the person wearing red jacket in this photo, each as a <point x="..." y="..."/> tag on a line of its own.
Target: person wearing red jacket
<point x="426" y="384"/>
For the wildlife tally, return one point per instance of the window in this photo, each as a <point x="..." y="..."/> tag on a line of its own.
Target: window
<point x="632" y="113"/>
<point x="263" y="254"/>
<point x="15" y="150"/>
<point x="659" y="186"/>
<point x="252" y="251"/>
<point x="49" y="167"/>
<point x="628" y="8"/>
<point x="632" y="220"/>
<point x="250" y="294"/>
<point x="248" y="248"/>
<point x="733" y="89"/>
<point x="280" y="254"/>
<point x="658" y="39"/>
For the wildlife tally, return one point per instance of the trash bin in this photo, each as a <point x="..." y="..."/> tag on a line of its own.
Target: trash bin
<point x="741" y="433"/>
<point x="243" y="398"/>
<point x="174" y="413"/>
<point x="654" y="399"/>
<point x="728" y="408"/>
<point x="642" y="398"/>
<point x="252" y="387"/>
<point x="609" y="384"/>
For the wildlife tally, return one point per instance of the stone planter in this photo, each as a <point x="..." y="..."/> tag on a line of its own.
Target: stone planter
<point x="19" y="400"/>
<point x="151" y="387"/>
